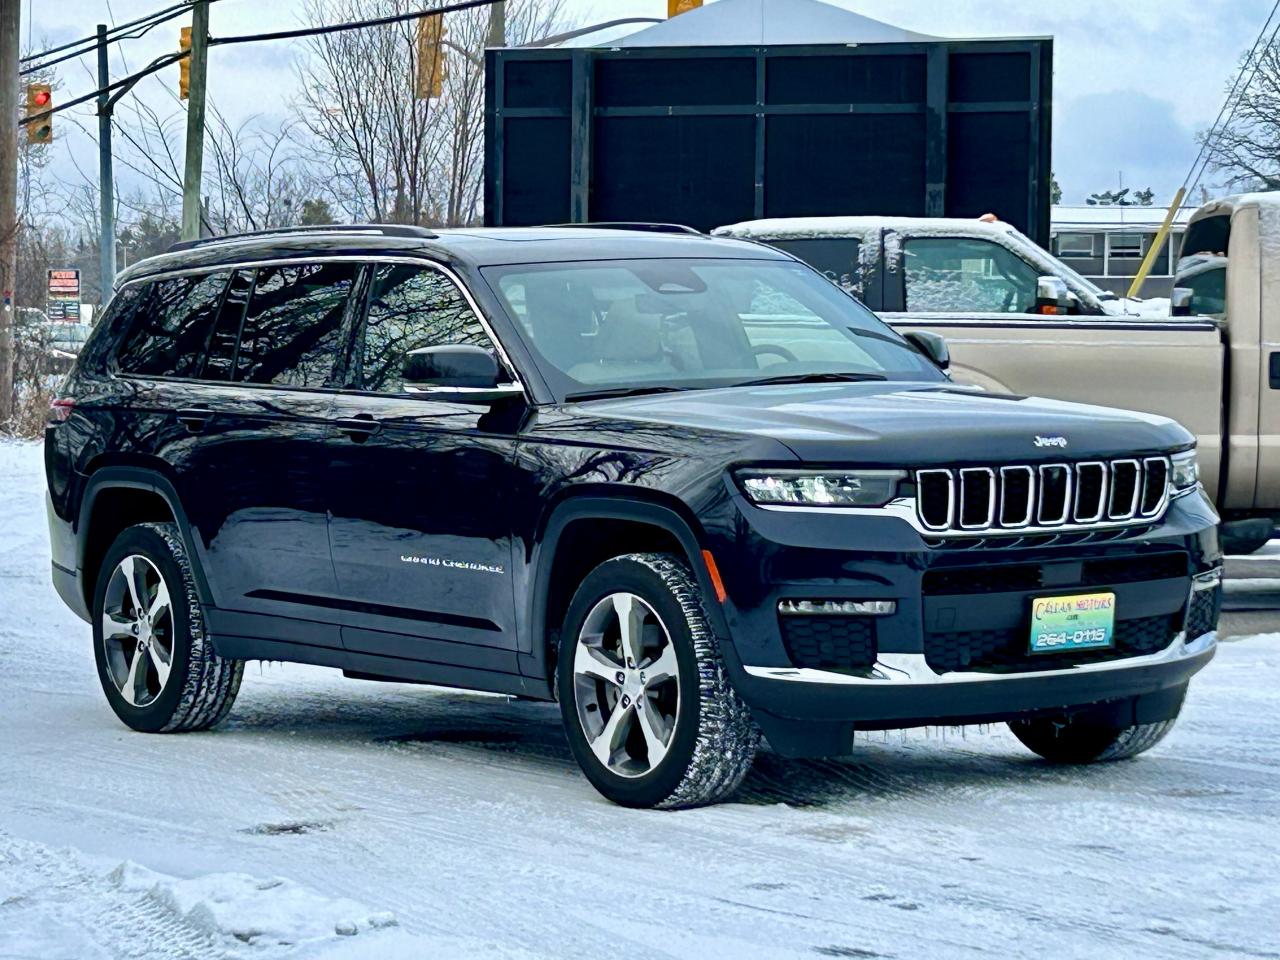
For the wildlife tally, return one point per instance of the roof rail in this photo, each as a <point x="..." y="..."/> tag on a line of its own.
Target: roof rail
<point x="639" y="226"/>
<point x="382" y="229"/>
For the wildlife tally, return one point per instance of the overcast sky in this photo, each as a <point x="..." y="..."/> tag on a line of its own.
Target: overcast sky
<point x="1134" y="80"/>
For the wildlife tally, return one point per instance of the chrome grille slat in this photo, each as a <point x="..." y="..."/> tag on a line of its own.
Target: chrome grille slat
<point x="1049" y="497"/>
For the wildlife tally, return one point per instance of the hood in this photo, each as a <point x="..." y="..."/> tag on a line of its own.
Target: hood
<point x="904" y="424"/>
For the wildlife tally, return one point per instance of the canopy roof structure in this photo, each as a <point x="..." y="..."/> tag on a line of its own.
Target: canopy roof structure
<point x="744" y="23"/>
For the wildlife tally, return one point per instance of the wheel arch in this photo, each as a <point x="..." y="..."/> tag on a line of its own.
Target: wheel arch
<point x="117" y="497"/>
<point x="664" y="524"/>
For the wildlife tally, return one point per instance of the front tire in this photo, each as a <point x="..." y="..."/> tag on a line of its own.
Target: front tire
<point x="1079" y="740"/>
<point x="157" y="667"/>
<point x="648" y="708"/>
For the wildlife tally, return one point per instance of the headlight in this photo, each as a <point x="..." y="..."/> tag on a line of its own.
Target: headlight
<point x="834" y="488"/>
<point x="1185" y="473"/>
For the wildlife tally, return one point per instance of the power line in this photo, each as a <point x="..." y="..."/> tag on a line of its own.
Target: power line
<point x="131" y="35"/>
<point x="1232" y="102"/>
<point x="91" y="42"/>
<point x="125" y="83"/>
<point x="354" y="25"/>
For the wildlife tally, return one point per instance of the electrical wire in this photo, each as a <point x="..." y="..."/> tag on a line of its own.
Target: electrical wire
<point x="91" y="42"/>
<point x="1232" y="102"/>
<point x="161" y="62"/>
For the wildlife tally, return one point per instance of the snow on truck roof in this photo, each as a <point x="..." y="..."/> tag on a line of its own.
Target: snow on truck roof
<point x="1229" y="205"/>
<point x="803" y="228"/>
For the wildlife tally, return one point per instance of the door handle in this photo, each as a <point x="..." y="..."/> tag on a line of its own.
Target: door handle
<point x="194" y="419"/>
<point x="358" y="428"/>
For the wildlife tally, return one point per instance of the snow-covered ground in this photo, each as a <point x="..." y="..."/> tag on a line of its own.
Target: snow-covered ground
<point x="337" y="818"/>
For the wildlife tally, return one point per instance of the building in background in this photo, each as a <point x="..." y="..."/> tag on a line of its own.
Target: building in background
<point x="1107" y="245"/>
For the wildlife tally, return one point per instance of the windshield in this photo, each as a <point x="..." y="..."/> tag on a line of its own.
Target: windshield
<point x="612" y="326"/>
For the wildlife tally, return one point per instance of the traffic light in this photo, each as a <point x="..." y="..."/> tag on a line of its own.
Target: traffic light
<point x="39" y="99"/>
<point x="431" y="72"/>
<point x="184" y="65"/>
<point x="676" y="7"/>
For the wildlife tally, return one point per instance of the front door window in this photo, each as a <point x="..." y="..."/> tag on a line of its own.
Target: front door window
<point x="966" y="275"/>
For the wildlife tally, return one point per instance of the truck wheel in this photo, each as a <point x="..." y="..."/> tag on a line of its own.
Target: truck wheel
<point x="647" y="705"/>
<point x="1076" y="740"/>
<point x="158" y="669"/>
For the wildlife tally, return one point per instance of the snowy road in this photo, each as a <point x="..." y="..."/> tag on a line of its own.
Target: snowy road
<point x="465" y="817"/>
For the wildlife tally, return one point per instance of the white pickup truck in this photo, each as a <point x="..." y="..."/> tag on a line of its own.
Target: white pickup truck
<point x="1018" y="320"/>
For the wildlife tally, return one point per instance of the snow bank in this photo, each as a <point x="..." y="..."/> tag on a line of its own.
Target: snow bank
<point x="58" y="903"/>
<point x="271" y="911"/>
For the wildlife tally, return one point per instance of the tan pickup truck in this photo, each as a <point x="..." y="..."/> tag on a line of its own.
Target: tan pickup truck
<point x="1018" y="320"/>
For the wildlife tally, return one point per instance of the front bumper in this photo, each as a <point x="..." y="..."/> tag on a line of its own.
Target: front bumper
<point x="946" y="594"/>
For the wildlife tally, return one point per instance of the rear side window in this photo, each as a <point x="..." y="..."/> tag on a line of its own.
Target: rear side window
<point x="292" y="329"/>
<point x="834" y="257"/>
<point x="171" y="327"/>
<point x="411" y="308"/>
<point x="283" y="326"/>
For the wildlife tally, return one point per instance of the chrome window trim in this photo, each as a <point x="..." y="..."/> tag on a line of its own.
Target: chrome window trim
<point x="911" y="669"/>
<point x="1031" y="497"/>
<point x="1139" y="482"/>
<point x="1067" y="492"/>
<point x="1102" y="494"/>
<point x="303" y="259"/>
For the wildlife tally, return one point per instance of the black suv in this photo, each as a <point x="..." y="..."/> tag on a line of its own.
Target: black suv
<point x="685" y="486"/>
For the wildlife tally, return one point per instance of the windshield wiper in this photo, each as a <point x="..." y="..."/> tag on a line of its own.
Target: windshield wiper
<point x="813" y="378"/>
<point x="620" y="392"/>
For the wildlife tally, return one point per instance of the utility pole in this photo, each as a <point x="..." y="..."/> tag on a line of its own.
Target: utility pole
<point x="106" y="190"/>
<point x="10" y="24"/>
<point x="195" y="120"/>
<point x="497" y="25"/>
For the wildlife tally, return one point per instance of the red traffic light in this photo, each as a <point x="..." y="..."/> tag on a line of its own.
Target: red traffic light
<point x="41" y="98"/>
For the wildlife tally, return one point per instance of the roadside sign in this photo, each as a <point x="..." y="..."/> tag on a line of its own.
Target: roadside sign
<point x="64" y="294"/>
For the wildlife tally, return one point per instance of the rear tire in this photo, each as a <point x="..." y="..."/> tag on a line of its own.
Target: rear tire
<point x="648" y="708"/>
<point x="1078" y="740"/>
<point x="157" y="667"/>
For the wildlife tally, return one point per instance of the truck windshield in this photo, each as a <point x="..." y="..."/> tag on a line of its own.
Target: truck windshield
<point x="620" y="325"/>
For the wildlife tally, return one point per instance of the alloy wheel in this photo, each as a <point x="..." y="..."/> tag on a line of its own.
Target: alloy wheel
<point x="137" y="631"/>
<point x="626" y="685"/>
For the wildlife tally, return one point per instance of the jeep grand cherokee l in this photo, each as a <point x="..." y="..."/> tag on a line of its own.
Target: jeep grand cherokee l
<point x="684" y="486"/>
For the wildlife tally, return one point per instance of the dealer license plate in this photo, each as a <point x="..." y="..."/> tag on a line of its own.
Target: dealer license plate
<point x="1086" y="621"/>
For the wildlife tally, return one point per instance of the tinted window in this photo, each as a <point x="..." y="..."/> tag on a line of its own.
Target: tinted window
<point x="690" y="324"/>
<point x="834" y="257"/>
<point x="960" y="275"/>
<point x="171" y="328"/>
<point x="226" y="333"/>
<point x="411" y="308"/>
<point x="291" y="330"/>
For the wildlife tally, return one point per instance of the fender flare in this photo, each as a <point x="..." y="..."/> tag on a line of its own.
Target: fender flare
<point x="137" y="478"/>
<point x="588" y="506"/>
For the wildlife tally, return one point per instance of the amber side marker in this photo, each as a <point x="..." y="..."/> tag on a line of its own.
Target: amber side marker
<point x="714" y="571"/>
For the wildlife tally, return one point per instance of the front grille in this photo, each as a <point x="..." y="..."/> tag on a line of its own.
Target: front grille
<point x="830" y="642"/>
<point x="1007" y="650"/>
<point x="1053" y="495"/>
<point x="1203" y="612"/>
<point x="1021" y="577"/>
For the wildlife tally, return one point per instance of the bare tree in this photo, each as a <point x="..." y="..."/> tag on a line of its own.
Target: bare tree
<point x="1247" y="149"/>
<point x="391" y="156"/>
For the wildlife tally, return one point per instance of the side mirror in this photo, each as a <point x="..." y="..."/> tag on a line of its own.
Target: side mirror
<point x="458" y="372"/>
<point x="1180" y="302"/>
<point x="1053" y="298"/>
<point x="932" y="346"/>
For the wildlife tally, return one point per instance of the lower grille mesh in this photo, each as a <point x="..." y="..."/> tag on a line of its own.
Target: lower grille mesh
<point x="1202" y="614"/>
<point x="1006" y="650"/>
<point x="830" y="643"/>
